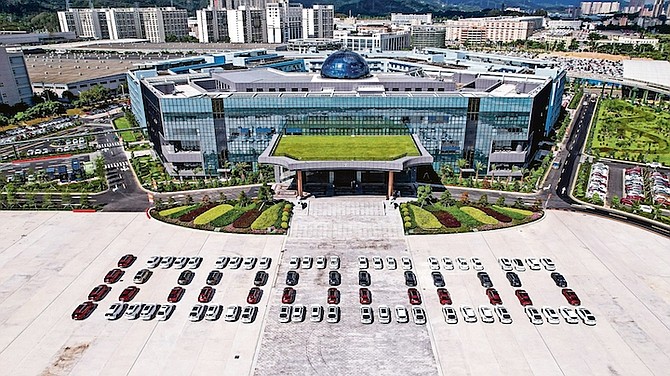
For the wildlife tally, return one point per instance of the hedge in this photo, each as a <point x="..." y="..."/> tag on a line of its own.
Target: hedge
<point x="184" y="210"/>
<point x="447" y="220"/>
<point x="425" y="219"/>
<point x="193" y="214"/>
<point x="479" y="215"/>
<point x="465" y="219"/>
<point x="229" y="217"/>
<point x="246" y="219"/>
<point x="177" y="209"/>
<point x="499" y="216"/>
<point x="212" y="214"/>
<point x="513" y="212"/>
<point x="268" y="217"/>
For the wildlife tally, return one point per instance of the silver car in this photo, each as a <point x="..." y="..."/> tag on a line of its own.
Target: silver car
<point x="213" y="312"/>
<point x="533" y="315"/>
<point x="197" y="312"/>
<point x="115" y="311"/>
<point x="449" y="314"/>
<point x="486" y="314"/>
<point x="165" y="311"/>
<point x="148" y="312"/>
<point x="133" y="311"/>
<point x="469" y="314"/>
<point x="551" y="315"/>
<point x="569" y="315"/>
<point x="249" y="263"/>
<point x="367" y="317"/>
<point x="503" y="314"/>
<point x="384" y="314"/>
<point x="298" y="314"/>
<point x="419" y="315"/>
<point x="334" y="262"/>
<point x="448" y="264"/>
<point x="249" y="314"/>
<point x="285" y="313"/>
<point x="391" y="264"/>
<point x="315" y="313"/>
<point x="587" y="317"/>
<point x="401" y="315"/>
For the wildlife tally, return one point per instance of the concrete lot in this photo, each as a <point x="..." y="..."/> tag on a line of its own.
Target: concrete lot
<point x="50" y="261"/>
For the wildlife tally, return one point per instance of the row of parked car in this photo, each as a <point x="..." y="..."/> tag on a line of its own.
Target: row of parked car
<point x="660" y="188"/>
<point x="232" y="313"/>
<point x="633" y="185"/>
<point x="598" y="180"/>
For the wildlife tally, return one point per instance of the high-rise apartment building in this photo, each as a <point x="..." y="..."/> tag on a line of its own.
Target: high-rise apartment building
<point x="317" y="21"/>
<point x="411" y="19"/>
<point x="247" y="25"/>
<point x="600" y="7"/>
<point x="14" y="81"/>
<point x="284" y="21"/>
<point x="212" y="25"/>
<point x="491" y="29"/>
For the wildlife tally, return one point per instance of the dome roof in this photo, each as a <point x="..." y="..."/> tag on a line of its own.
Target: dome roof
<point x="345" y="64"/>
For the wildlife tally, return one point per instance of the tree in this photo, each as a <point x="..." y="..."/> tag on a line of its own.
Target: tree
<point x="424" y="195"/>
<point x="478" y="167"/>
<point x="483" y="199"/>
<point x="461" y="163"/>
<point x="500" y="201"/>
<point x="65" y="199"/>
<point x="171" y="202"/>
<point x="465" y="198"/>
<point x="446" y="199"/>
<point x="46" y="201"/>
<point x="10" y="190"/>
<point x="100" y="168"/>
<point x="242" y="199"/>
<point x="265" y="192"/>
<point x="189" y="200"/>
<point x="222" y="197"/>
<point x="518" y="203"/>
<point x="616" y="202"/>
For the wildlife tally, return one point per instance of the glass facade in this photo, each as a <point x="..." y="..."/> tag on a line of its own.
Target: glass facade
<point x="345" y="64"/>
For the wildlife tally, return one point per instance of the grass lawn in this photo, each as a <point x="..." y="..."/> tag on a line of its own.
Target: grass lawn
<point x="122" y="123"/>
<point x="628" y="132"/>
<point x="346" y="148"/>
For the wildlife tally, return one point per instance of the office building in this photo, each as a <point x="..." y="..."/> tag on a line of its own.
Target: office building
<point x="427" y="36"/>
<point x="599" y="7"/>
<point x="491" y="29"/>
<point x="411" y="19"/>
<point x="383" y="41"/>
<point x="14" y="80"/>
<point x="317" y="21"/>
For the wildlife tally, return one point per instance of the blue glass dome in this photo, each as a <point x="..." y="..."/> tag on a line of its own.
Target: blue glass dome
<point x="345" y="64"/>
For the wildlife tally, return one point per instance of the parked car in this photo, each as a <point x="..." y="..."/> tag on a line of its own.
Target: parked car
<point x="550" y="315"/>
<point x="213" y="312"/>
<point x="518" y="265"/>
<point x="513" y="279"/>
<point x="298" y="314"/>
<point x="288" y="295"/>
<point x="571" y="297"/>
<point x="84" y="310"/>
<point x="391" y="263"/>
<point x="320" y="262"/>
<point x="261" y="278"/>
<point x="367" y="316"/>
<point x="126" y="261"/>
<point x="362" y="262"/>
<point x="410" y="278"/>
<point x="384" y="314"/>
<point x="235" y="262"/>
<point x="477" y="264"/>
<point x="148" y="312"/>
<point x="548" y="264"/>
<point x="486" y="314"/>
<point x="185" y="277"/>
<point x="176" y="294"/>
<point x="419" y="315"/>
<point x="114" y="275"/>
<point x="468" y="313"/>
<point x="197" y="312"/>
<point x="377" y="263"/>
<point x="559" y="280"/>
<point x="206" y="294"/>
<point x="306" y="263"/>
<point x="463" y="263"/>
<point x="294" y="262"/>
<point x="444" y="296"/>
<point x="254" y="295"/>
<point x="333" y="296"/>
<point x="587" y="317"/>
<point x="115" y="311"/>
<point x="334" y="278"/>
<point x="533" y="315"/>
<point x="285" y="313"/>
<point x="292" y="278"/>
<point x="433" y="263"/>
<point x="533" y="264"/>
<point x="523" y="297"/>
<point x="414" y="296"/>
<point x="406" y="263"/>
<point x="166" y="262"/>
<point x="438" y="280"/>
<point x="214" y="278"/>
<point x="194" y="262"/>
<point x="264" y="263"/>
<point x="401" y="315"/>
<point x="128" y="293"/>
<point x="364" y="295"/>
<point x="569" y="315"/>
<point x="222" y="262"/>
<point x="232" y="313"/>
<point x="484" y="279"/>
<point x="494" y="297"/>
<point x="249" y="314"/>
<point x="99" y="292"/>
<point x="364" y="278"/>
<point x="449" y="314"/>
<point x="505" y="264"/>
<point x="142" y="276"/>
<point x="249" y="263"/>
<point x="133" y="311"/>
<point x="180" y="262"/>
<point x="333" y="315"/>
<point x="334" y="262"/>
<point x="315" y="313"/>
<point x="503" y="314"/>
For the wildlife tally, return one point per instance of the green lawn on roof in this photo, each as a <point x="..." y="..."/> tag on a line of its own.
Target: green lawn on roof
<point x="346" y="148"/>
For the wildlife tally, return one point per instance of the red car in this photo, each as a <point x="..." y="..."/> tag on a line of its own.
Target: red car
<point x="494" y="297"/>
<point x="365" y="296"/>
<point x="176" y="294"/>
<point x="126" y="261"/>
<point x="129" y="293"/>
<point x="571" y="297"/>
<point x="99" y="293"/>
<point x="414" y="296"/>
<point x="523" y="297"/>
<point x="206" y="294"/>
<point x="333" y="296"/>
<point x="83" y="310"/>
<point x="288" y="296"/>
<point x="443" y="295"/>
<point x="255" y="295"/>
<point x="114" y="275"/>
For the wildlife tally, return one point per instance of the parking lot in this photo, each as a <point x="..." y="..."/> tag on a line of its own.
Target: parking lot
<point x="49" y="262"/>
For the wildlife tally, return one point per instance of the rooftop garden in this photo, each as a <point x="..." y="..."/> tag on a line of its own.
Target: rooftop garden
<point x="346" y="148"/>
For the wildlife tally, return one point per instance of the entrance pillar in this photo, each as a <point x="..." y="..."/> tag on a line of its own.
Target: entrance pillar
<point x="359" y="176"/>
<point x="389" y="193"/>
<point x="298" y="173"/>
<point x="331" y="177"/>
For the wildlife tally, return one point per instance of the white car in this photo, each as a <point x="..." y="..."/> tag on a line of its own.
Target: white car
<point x="587" y="317"/>
<point x="320" y="262"/>
<point x="315" y="313"/>
<point x="469" y="314"/>
<point x="377" y="263"/>
<point x="249" y="314"/>
<point x="306" y="262"/>
<point x="367" y="317"/>
<point x="333" y="315"/>
<point x="486" y="314"/>
<point x="569" y="315"/>
<point x="133" y="311"/>
<point x="477" y="264"/>
<point x="463" y="263"/>
<point x="384" y="314"/>
<point x="194" y="262"/>
<point x="406" y="263"/>
<point x="391" y="264"/>
<point x="148" y="312"/>
<point x="433" y="263"/>
<point x="533" y="263"/>
<point x="294" y="262"/>
<point x="533" y="315"/>
<point x="298" y="314"/>
<point x="401" y="314"/>
<point x="334" y="262"/>
<point x="180" y="262"/>
<point x="285" y="313"/>
<point x="221" y="262"/>
<point x="232" y="313"/>
<point x="551" y="315"/>
<point x="153" y="262"/>
<point x="197" y="312"/>
<point x="115" y="311"/>
<point x="419" y="315"/>
<point x="362" y="262"/>
<point x="264" y="263"/>
<point x="505" y="264"/>
<point x="448" y="264"/>
<point x="165" y="311"/>
<point x="518" y="265"/>
<point x="235" y="262"/>
<point x="249" y="263"/>
<point x="548" y="264"/>
<point x="450" y="316"/>
<point x="503" y="314"/>
<point x="166" y="262"/>
<point x="213" y="312"/>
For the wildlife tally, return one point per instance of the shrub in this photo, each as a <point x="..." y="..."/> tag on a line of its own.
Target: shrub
<point x="513" y="212"/>
<point x="246" y="219"/>
<point x="288" y="206"/>
<point x="212" y="214"/>
<point x="284" y="225"/>
<point x="479" y="215"/>
<point x="193" y="214"/>
<point x="407" y="218"/>
<point x="425" y="219"/>
<point x="499" y="216"/>
<point x="227" y="218"/>
<point x="177" y="211"/>
<point x="268" y="217"/>
<point x="446" y="219"/>
<point x="408" y="225"/>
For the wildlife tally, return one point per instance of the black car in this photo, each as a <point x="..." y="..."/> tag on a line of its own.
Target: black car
<point x="334" y="278"/>
<point x="214" y="277"/>
<point x="484" y="279"/>
<point x="363" y="278"/>
<point x="185" y="277"/>
<point x="261" y="278"/>
<point x="438" y="281"/>
<point x="513" y="279"/>
<point x="292" y="278"/>
<point x="410" y="278"/>
<point x="559" y="280"/>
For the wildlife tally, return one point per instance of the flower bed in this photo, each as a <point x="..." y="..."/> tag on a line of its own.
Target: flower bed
<point x="193" y="214"/>
<point x="246" y="219"/>
<point x="212" y="214"/>
<point x="479" y="215"/>
<point x="492" y="213"/>
<point x="178" y="211"/>
<point x="268" y="217"/>
<point x="424" y="219"/>
<point x="512" y="212"/>
<point x="446" y="219"/>
<point x="227" y="218"/>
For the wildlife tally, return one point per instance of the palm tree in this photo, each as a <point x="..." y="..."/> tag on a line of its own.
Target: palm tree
<point x="524" y="171"/>
<point x="514" y="169"/>
<point x="240" y="167"/>
<point x="461" y="163"/>
<point x="478" y="166"/>
<point x="492" y="170"/>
